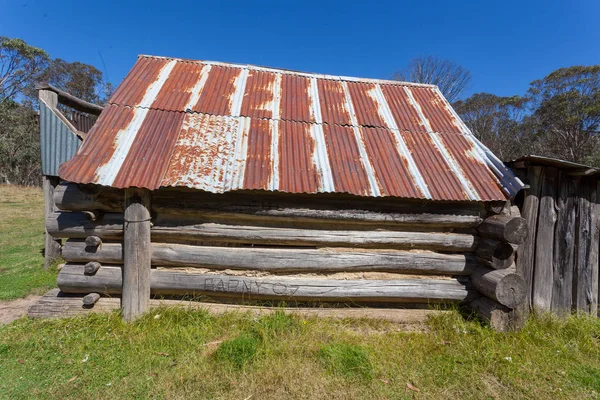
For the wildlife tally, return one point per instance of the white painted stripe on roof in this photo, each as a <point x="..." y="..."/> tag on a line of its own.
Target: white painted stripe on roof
<point x="277" y="97"/>
<point x="320" y="158"/>
<point x="240" y="156"/>
<point x="274" y="183"/>
<point x="385" y="113"/>
<point x="315" y="104"/>
<point x="456" y="169"/>
<point x="238" y="96"/>
<point x="125" y="137"/>
<point x="364" y="157"/>
<point x="197" y="89"/>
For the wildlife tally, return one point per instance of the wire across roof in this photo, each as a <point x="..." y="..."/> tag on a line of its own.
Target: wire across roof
<point x="221" y="127"/>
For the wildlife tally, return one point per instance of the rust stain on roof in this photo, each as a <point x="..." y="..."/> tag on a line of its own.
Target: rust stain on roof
<point x="220" y="127"/>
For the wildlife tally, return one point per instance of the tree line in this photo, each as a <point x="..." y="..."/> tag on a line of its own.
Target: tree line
<point x="558" y="116"/>
<point x="22" y="66"/>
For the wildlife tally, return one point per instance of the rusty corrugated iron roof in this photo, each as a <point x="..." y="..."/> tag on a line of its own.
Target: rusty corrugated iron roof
<point x="221" y="127"/>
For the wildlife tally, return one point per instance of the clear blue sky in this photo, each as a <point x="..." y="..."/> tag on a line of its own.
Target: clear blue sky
<point x="505" y="44"/>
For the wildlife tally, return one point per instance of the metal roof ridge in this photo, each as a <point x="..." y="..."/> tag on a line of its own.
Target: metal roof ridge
<point x="297" y="72"/>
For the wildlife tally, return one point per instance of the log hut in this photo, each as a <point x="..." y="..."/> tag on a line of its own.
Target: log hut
<point x="242" y="184"/>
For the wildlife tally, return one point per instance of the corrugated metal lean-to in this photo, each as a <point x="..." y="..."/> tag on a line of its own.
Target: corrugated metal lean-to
<point x="222" y="127"/>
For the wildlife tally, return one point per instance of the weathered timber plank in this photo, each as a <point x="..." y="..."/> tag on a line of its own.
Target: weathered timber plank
<point x="505" y="228"/>
<point x="543" y="280"/>
<point x="586" y="264"/>
<point x="564" y="244"/>
<point x="137" y="254"/>
<point x="282" y="260"/>
<point x="502" y="285"/>
<point x="74" y="225"/>
<point x="55" y="304"/>
<point x="526" y="251"/>
<point x="108" y="280"/>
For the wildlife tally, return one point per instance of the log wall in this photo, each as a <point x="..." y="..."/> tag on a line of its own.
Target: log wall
<point x="559" y="259"/>
<point x="296" y="249"/>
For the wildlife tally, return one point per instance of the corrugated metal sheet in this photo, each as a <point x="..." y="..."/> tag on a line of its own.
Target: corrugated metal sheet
<point x="57" y="142"/>
<point x="221" y="127"/>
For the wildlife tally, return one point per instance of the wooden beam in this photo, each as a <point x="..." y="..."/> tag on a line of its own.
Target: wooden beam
<point x="70" y="100"/>
<point x="108" y="280"/>
<point x="75" y="225"/>
<point x="136" y="254"/>
<point x="283" y="260"/>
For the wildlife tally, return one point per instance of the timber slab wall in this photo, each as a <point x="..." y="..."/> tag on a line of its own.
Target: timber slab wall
<point x="559" y="259"/>
<point x="300" y="250"/>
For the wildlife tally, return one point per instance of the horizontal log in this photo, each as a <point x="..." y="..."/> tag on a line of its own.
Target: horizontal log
<point x="91" y="299"/>
<point x="504" y="286"/>
<point x="495" y="254"/>
<point x="71" y="279"/>
<point x="77" y="225"/>
<point x="74" y="197"/>
<point x="282" y="260"/>
<point x="74" y="225"/>
<point x="56" y="304"/>
<point x="297" y="209"/>
<point x="504" y="228"/>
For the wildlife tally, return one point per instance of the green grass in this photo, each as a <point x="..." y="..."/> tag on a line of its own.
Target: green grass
<point x="347" y="360"/>
<point x="179" y="354"/>
<point x="22" y="243"/>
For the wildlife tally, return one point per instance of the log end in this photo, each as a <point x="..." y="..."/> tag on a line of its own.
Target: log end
<point x="500" y="318"/>
<point x="93" y="241"/>
<point x="516" y="230"/>
<point x="91" y="299"/>
<point x="92" y="267"/>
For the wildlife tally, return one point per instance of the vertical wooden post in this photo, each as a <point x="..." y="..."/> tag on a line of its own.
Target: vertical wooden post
<point x="52" y="246"/>
<point x="526" y="251"/>
<point x="586" y="266"/>
<point x="543" y="280"/>
<point x="564" y="243"/>
<point x="136" y="253"/>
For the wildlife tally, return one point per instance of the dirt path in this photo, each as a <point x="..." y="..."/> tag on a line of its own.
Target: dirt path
<point x="13" y="309"/>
